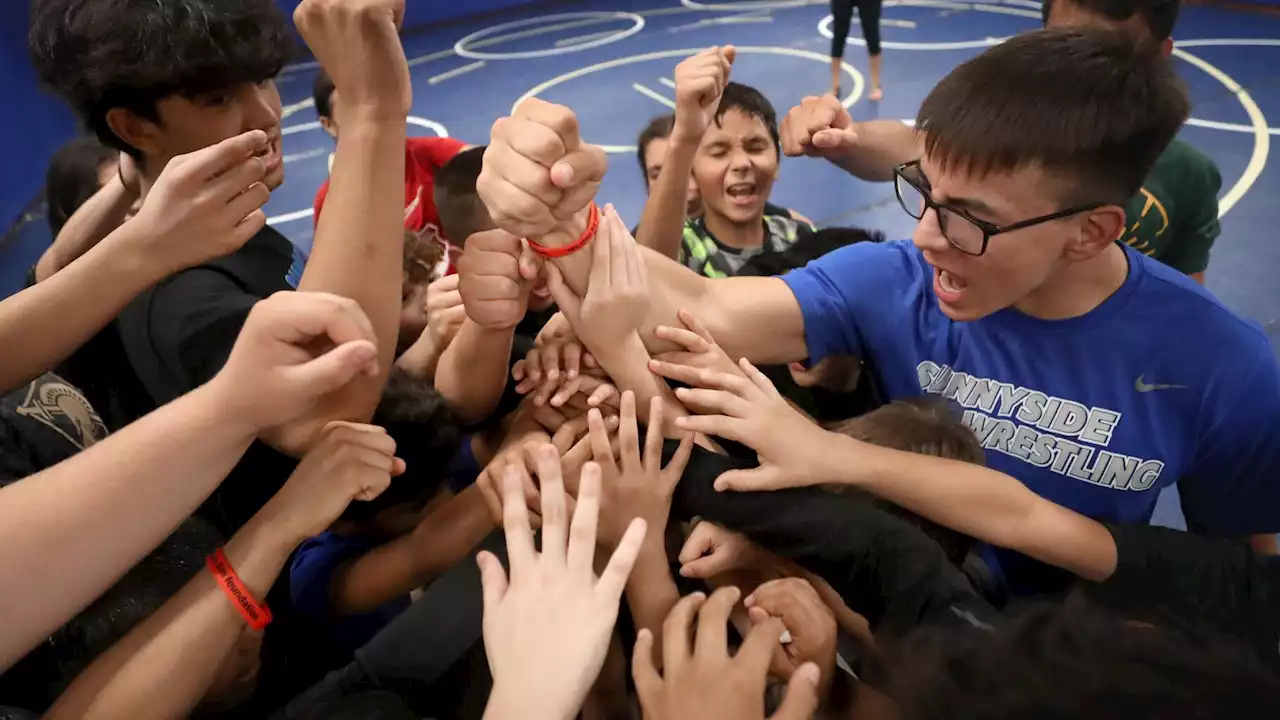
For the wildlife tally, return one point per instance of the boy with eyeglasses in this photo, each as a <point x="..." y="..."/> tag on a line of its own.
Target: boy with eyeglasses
<point x="1091" y="373"/>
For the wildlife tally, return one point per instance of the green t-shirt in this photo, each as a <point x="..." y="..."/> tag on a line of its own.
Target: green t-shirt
<point x="1174" y="217"/>
<point x="701" y="252"/>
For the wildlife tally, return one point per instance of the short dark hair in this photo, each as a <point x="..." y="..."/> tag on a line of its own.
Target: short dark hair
<point x="807" y="248"/>
<point x="752" y="103"/>
<point x="72" y="178"/>
<point x="461" y="211"/>
<point x="659" y="128"/>
<point x="927" y="426"/>
<point x="322" y="93"/>
<point x="1159" y="16"/>
<point x="104" y="54"/>
<point x="1084" y="103"/>
<point x="426" y="435"/>
<point x="1076" y="660"/>
<point x="141" y="592"/>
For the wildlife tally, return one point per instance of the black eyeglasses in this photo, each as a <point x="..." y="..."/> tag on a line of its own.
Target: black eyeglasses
<point x="965" y="232"/>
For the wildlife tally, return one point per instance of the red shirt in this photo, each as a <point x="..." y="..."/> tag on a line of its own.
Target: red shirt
<point x="423" y="156"/>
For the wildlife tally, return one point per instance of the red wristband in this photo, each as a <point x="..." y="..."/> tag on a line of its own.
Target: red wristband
<point x="593" y="224"/>
<point x="255" y="613"/>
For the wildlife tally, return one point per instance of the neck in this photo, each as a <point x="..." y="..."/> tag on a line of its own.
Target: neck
<point x="148" y="172"/>
<point x="735" y="235"/>
<point x="1078" y="287"/>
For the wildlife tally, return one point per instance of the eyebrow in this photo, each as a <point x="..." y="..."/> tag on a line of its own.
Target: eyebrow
<point x="967" y="204"/>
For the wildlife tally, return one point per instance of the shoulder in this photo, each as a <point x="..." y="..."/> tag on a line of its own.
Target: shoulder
<point x="1186" y="162"/>
<point x="1193" y="325"/>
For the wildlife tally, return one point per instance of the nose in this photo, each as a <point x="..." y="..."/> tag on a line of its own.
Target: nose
<point x="928" y="234"/>
<point x="740" y="161"/>
<point x="262" y="106"/>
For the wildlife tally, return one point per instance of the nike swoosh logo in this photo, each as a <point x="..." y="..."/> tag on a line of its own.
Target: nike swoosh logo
<point x="1144" y="387"/>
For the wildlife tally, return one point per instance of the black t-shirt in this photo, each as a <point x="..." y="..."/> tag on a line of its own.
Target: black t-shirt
<point x="41" y="424"/>
<point x="885" y="569"/>
<point x="1221" y="584"/>
<point x="178" y="335"/>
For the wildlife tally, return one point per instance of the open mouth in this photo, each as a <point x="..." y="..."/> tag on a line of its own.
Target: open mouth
<point x="743" y="193"/>
<point x="948" y="286"/>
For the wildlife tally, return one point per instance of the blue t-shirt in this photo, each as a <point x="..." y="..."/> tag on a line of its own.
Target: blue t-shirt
<point x="310" y="575"/>
<point x="1158" y="384"/>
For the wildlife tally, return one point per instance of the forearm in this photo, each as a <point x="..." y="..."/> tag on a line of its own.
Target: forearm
<point x="441" y="540"/>
<point x="882" y="146"/>
<point x="662" y="223"/>
<point x="165" y="665"/>
<point x="422" y="359"/>
<point x="651" y="591"/>
<point x="982" y="503"/>
<point x="98" y="217"/>
<point x="472" y="373"/>
<point x="44" y="324"/>
<point x="68" y="533"/>
<point x="359" y="249"/>
<point x="628" y="367"/>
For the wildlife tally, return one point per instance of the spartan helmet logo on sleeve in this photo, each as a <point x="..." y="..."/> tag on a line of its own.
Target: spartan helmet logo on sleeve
<point x="56" y="404"/>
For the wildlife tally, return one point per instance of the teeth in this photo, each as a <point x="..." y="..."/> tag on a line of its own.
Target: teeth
<point x="946" y="281"/>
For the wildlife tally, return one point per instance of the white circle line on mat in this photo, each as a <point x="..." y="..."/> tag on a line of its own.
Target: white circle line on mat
<point x="855" y="93"/>
<point x="484" y="37"/>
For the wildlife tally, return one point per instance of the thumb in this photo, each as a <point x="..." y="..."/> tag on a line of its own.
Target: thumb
<point x="835" y="139"/>
<point x="706" y="567"/>
<point x="336" y="368"/>
<point x="801" y="700"/>
<point x="529" y="262"/>
<point x="730" y="53"/>
<point x="764" y="477"/>
<point x="696" y="546"/>
<point x="569" y="302"/>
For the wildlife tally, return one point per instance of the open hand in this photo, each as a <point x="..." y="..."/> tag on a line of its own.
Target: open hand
<point x="751" y="411"/>
<point x="547" y="628"/>
<point x="638" y="488"/>
<point x="701" y="352"/>
<point x="617" y="299"/>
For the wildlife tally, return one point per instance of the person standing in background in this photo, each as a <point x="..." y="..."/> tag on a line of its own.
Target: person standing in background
<point x="869" y="17"/>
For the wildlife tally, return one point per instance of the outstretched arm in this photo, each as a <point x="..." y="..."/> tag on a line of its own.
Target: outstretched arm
<point x="69" y="532"/>
<point x="163" y="667"/>
<point x="359" y="243"/>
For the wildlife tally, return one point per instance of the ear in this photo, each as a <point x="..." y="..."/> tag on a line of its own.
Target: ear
<point x="136" y="131"/>
<point x="1098" y="230"/>
<point x="329" y="126"/>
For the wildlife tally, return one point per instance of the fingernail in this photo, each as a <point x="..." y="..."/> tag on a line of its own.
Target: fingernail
<point x="566" y="172"/>
<point x="809" y="673"/>
<point x="719" y="486"/>
<point x="751" y="600"/>
<point x="684" y="571"/>
<point x="698" y="595"/>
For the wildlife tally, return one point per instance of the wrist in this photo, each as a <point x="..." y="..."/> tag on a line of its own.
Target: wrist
<point x="683" y="140"/>
<point x="217" y="402"/>
<point x="507" y="703"/>
<point x="567" y="232"/>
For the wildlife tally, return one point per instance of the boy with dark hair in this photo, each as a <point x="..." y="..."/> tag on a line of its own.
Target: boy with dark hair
<point x="726" y="135"/>
<point x="461" y="212"/>
<point x="423" y="158"/>
<point x="160" y="80"/>
<point x="78" y="170"/>
<point x="651" y="150"/>
<point x="1013" y="299"/>
<point x="1173" y="216"/>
